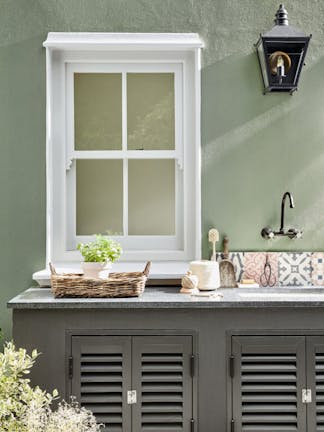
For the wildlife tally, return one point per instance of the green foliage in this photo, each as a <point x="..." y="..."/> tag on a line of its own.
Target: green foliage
<point x="27" y="409"/>
<point x="16" y="394"/>
<point x="103" y="249"/>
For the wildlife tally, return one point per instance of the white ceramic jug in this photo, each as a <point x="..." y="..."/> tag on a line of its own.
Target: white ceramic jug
<point x="207" y="273"/>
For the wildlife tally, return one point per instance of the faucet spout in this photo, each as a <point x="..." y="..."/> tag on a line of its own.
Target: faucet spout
<point x="283" y="202"/>
<point x="292" y="233"/>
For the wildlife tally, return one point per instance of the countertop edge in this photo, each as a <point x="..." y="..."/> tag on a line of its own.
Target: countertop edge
<point x="167" y="305"/>
<point x="168" y="298"/>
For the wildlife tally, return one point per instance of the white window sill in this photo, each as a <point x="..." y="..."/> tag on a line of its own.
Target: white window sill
<point x="160" y="271"/>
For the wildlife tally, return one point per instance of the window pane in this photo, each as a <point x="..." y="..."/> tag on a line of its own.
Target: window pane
<point x="150" y="111"/>
<point x="151" y="197"/>
<point x="99" y="196"/>
<point x="98" y="111"/>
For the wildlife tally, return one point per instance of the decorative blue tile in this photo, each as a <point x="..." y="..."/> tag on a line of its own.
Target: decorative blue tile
<point x="295" y="269"/>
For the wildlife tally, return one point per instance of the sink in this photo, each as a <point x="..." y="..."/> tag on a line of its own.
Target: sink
<point x="282" y="294"/>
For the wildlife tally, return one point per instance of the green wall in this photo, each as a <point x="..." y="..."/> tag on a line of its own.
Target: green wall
<point x="254" y="147"/>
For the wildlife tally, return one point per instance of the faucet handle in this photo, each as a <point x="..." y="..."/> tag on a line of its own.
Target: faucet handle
<point x="267" y="233"/>
<point x="294" y="233"/>
<point x="299" y="234"/>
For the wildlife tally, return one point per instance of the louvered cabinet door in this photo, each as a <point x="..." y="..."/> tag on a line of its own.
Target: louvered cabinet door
<point x="268" y="377"/>
<point x="161" y="375"/>
<point x="102" y="377"/>
<point x="315" y="382"/>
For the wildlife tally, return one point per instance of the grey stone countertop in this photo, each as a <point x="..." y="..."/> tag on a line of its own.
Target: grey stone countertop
<point x="170" y="298"/>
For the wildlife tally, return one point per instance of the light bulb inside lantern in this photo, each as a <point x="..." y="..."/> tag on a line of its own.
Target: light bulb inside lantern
<point x="280" y="68"/>
<point x="280" y="61"/>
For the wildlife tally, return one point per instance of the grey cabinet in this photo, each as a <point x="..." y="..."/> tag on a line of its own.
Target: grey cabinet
<point x="277" y="383"/>
<point x="315" y="362"/>
<point x="134" y="383"/>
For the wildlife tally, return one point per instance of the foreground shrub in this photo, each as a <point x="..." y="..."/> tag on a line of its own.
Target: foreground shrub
<point x="27" y="409"/>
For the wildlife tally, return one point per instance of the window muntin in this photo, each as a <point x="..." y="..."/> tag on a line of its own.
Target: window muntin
<point x="150" y="132"/>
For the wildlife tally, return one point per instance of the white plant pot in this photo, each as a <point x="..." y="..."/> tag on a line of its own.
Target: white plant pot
<point x="97" y="270"/>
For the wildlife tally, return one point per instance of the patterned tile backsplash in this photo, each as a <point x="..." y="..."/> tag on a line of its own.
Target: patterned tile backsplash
<point x="317" y="263"/>
<point x="287" y="268"/>
<point x="295" y="269"/>
<point x="254" y="263"/>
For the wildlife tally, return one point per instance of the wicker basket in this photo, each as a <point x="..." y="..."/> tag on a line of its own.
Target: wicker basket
<point x="130" y="284"/>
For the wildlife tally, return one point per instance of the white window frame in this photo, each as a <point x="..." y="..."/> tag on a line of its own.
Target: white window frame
<point x="70" y="52"/>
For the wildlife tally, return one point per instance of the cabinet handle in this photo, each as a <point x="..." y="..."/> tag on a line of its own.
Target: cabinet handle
<point x="306" y="396"/>
<point x="131" y="397"/>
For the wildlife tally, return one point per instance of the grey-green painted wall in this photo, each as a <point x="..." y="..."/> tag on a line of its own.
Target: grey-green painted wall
<point x="254" y="147"/>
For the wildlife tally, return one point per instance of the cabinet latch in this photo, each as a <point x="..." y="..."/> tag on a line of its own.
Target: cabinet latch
<point x="306" y="396"/>
<point x="131" y="397"/>
<point x="70" y="367"/>
<point x="231" y="366"/>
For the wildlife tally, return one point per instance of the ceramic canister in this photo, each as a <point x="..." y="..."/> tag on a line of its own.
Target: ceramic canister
<point x="207" y="273"/>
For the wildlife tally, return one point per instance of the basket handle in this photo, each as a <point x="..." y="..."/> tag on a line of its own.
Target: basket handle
<point x="147" y="269"/>
<point x="53" y="271"/>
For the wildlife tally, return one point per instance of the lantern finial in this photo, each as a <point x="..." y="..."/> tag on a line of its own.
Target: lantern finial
<point x="282" y="16"/>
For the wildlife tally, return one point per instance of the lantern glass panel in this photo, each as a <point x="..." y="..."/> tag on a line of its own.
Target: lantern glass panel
<point x="263" y="65"/>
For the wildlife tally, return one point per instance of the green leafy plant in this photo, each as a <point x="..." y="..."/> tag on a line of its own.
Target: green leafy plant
<point x="16" y="394"/>
<point x="27" y="409"/>
<point x="103" y="249"/>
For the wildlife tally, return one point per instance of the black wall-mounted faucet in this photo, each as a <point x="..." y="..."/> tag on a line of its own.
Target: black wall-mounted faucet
<point x="292" y="233"/>
<point x="283" y="202"/>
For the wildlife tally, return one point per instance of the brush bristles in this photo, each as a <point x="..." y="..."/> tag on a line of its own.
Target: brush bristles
<point x="213" y="235"/>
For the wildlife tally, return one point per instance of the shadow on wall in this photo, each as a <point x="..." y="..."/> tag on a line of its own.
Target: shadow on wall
<point x="254" y="148"/>
<point x="228" y="86"/>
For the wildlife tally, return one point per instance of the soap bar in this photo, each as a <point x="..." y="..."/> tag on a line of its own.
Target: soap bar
<point x="247" y="281"/>
<point x="254" y="285"/>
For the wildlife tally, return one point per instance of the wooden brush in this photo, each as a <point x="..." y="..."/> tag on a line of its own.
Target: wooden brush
<point x="213" y="237"/>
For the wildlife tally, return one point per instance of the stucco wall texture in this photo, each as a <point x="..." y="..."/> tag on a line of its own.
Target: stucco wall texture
<point x="254" y="147"/>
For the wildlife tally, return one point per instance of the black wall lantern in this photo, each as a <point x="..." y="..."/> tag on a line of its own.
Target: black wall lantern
<point x="281" y="53"/>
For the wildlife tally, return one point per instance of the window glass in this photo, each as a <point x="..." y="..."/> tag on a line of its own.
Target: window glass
<point x="98" y="111"/>
<point x="151" y="197"/>
<point x="99" y="196"/>
<point x="150" y="111"/>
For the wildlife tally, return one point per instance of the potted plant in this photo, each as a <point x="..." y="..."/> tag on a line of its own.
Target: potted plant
<point x="99" y="256"/>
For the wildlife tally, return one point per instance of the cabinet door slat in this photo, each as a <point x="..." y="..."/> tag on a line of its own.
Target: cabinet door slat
<point x="269" y="374"/>
<point x="161" y="373"/>
<point x="315" y="379"/>
<point x="101" y="378"/>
